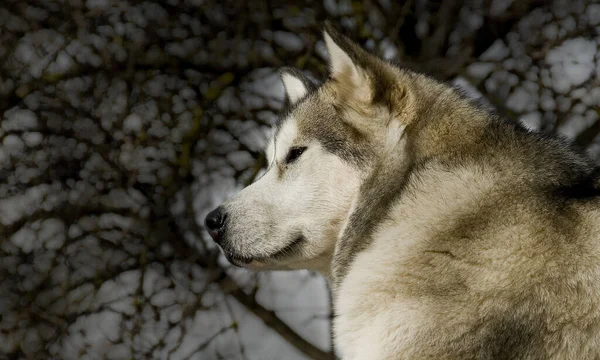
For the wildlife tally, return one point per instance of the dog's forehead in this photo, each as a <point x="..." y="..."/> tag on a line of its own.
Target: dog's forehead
<point x="282" y="139"/>
<point x="293" y="127"/>
<point x="316" y="120"/>
<point x="286" y="136"/>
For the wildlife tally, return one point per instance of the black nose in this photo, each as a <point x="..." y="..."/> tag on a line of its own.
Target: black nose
<point x="215" y="223"/>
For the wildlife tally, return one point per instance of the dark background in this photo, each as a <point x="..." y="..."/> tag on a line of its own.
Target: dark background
<point x="124" y="122"/>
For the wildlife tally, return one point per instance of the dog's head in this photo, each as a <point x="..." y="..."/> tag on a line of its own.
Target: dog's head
<point x="321" y="152"/>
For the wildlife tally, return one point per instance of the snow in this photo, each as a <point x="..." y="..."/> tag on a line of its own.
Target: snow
<point x="163" y="298"/>
<point x="548" y="103"/>
<point x="97" y="4"/>
<point x="572" y="63"/>
<point x="175" y="314"/>
<point x="34" y="57"/>
<point x="19" y="119"/>
<point x="532" y="121"/>
<point x="52" y="233"/>
<point x="321" y="50"/>
<point x="249" y="133"/>
<point x="578" y="108"/>
<point x="154" y="281"/>
<point x="12" y="208"/>
<point x="24" y="239"/>
<point x="14" y="23"/>
<point x="96" y="330"/>
<point x="331" y="7"/>
<point x="32" y="342"/>
<point x="592" y="98"/>
<point x="593" y="14"/>
<point x="592" y="116"/>
<point x="464" y="85"/>
<point x="33" y="139"/>
<point x="564" y="103"/>
<point x="289" y="41"/>
<point x="62" y="65"/>
<point x="575" y="125"/>
<point x="265" y="84"/>
<point x="13" y="144"/>
<point x="496" y="52"/>
<point x="130" y="278"/>
<point x="389" y="51"/>
<point x="498" y="7"/>
<point x="579" y="93"/>
<point x="118" y="352"/>
<point x="569" y="24"/>
<point x="284" y="300"/>
<point x="132" y="123"/>
<point x="480" y="70"/>
<point x="520" y="100"/>
<point x="223" y="141"/>
<point x="240" y="160"/>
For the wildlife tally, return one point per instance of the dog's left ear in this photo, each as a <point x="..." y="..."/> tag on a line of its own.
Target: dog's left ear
<point x="296" y="84"/>
<point x="367" y="84"/>
<point x="358" y="75"/>
<point x="341" y="52"/>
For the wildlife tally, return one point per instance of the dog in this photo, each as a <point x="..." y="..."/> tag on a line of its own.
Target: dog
<point x="447" y="231"/>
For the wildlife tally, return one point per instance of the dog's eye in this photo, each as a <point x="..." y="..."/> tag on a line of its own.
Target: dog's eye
<point x="294" y="154"/>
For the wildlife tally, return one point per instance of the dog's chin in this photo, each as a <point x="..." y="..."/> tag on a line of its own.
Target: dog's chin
<point x="254" y="264"/>
<point x="239" y="261"/>
<point x="265" y="265"/>
<point x="273" y="261"/>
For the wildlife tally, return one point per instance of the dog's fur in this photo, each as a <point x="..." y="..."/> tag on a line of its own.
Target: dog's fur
<point x="447" y="231"/>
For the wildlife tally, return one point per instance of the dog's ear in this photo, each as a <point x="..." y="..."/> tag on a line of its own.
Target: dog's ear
<point x="358" y="75"/>
<point x="365" y="83"/>
<point x="296" y="84"/>
<point x="346" y="60"/>
<point x="343" y="54"/>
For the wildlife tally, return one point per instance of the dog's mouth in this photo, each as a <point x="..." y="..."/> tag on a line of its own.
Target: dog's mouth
<point x="285" y="252"/>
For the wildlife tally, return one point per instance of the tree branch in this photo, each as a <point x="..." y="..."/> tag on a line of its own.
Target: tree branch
<point x="271" y="319"/>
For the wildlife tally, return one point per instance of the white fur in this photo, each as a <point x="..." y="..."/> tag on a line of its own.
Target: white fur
<point x="342" y="67"/>
<point x="371" y="322"/>
<point x="285" y="138"/>
<point x="339" y="61"/>
<point x="310" y="197"/>
<point x="270" y="151"/>
<point x="394" y="136"/>
<point x="294" y="87"/>
<point x="375" y="319"/>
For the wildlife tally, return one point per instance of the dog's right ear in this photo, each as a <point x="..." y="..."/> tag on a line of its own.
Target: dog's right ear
<point x="296" y="85"/>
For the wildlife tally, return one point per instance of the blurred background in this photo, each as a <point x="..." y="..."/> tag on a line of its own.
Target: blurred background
<point x="123" y="122"/>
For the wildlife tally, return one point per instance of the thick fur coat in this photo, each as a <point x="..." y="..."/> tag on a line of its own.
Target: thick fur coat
<point x="447" y="231"/>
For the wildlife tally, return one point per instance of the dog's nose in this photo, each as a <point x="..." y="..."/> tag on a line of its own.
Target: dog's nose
<point x="215" y="223"/>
